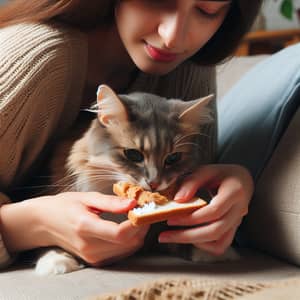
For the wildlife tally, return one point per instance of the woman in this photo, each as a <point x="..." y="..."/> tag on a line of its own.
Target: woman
<point x="54" y="54"/>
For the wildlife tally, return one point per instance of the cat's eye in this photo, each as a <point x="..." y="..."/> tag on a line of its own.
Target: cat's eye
<point x="134" y="155"/>
<point x="173" y="158"/>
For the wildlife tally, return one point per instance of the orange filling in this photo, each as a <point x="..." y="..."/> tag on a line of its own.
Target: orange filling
<point x="128" y="190"/>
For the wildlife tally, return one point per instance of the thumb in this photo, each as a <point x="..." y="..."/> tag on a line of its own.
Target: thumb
<point x="108" y="203"/>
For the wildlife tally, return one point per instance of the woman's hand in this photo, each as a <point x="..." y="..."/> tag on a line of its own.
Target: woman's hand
<point x="71" y="221"/>
<point x="219" y="220"/>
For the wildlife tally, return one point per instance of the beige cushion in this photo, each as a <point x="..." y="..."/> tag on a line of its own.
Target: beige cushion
<point x="232" y="70"/>
<point x="23" y="284"/>
<point x="273" y="223"/>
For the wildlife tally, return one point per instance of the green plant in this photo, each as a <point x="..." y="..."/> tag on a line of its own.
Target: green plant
<point x="287" y="9"/>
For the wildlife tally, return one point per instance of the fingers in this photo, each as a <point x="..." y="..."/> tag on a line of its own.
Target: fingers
<point x="106" y="230"/>
<point x="202" y="234"/>
<point x="213" y="176"/>
<point x="101" y="246"/>
<point x="98" y="252"/>
<point x="218" y="247"/>
<point x="230" y="193"/>
<point x="218" y="207"/>
<point x="209" y="213"/>
<point x="108" y="203"/>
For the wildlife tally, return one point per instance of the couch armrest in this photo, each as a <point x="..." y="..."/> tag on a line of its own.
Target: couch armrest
<point x="273" y="223"/>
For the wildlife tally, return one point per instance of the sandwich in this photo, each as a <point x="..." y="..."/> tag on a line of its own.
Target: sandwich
<point x="153" y="207"/>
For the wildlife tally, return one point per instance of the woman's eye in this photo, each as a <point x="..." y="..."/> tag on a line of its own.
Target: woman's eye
<point x="134" y="155"/>
<point x="210" y="15"/>
<point x="173" y="158"/>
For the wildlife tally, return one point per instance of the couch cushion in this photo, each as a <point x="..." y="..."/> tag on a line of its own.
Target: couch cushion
<point x="23" y="284"/>
<point x="273" y="222"/>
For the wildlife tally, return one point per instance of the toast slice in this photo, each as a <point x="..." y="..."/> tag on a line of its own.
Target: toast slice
<point x="154" y="207"/>
<point x="152" y="212"/>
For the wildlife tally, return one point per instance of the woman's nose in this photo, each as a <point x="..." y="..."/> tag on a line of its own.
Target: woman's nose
<point x="172" y="30"/>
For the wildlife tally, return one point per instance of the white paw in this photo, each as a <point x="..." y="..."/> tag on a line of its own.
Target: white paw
<point x="202" y="256"/>
<point x="56" y="262"/>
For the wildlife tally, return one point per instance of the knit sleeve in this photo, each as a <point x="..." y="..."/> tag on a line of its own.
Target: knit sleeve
<point x="40" y="75"/>
<point x="5" y="258"/>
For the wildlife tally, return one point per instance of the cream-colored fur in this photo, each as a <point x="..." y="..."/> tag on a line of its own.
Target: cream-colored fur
<point x="56" y="261"/>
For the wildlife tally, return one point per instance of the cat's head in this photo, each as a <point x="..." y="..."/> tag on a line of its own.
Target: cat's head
<point x="148" y="140"/>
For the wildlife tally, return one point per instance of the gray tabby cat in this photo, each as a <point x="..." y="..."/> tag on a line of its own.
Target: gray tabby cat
<point x="139" y="138"/>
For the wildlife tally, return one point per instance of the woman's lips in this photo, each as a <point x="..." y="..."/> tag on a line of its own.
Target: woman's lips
<point x="160" y="55"/>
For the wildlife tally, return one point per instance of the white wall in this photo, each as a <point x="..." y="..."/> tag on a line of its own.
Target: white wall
<point x="273" y="18"/>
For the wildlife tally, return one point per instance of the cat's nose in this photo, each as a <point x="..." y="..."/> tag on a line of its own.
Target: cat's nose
<point x="153" y="185"/>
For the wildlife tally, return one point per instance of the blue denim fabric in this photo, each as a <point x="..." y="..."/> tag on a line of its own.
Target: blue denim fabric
<point x="255" y="112"/>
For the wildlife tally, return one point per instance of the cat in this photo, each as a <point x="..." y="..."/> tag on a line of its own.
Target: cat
<point x="140" y="138"/>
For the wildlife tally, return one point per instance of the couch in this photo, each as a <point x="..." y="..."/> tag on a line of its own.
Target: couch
<point x="271" y="258"/>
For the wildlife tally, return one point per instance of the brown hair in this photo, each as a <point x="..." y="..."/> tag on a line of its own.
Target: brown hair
<point x="237" y="23"/>
<point x="88" y="14"/>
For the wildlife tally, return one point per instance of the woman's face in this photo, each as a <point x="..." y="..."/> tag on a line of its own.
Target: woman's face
<point x="161" y="34"/>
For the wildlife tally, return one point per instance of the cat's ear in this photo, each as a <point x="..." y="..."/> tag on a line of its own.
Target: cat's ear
<point x="197" y="111"/>
<point x="111" y="110"/>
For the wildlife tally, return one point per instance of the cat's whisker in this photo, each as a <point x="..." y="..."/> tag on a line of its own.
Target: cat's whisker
<point x="28" y="187"/>
<point x="95" y="178"/>
<point x="98" y="174"/>
<point x="101" y="178"/>
<point x="187" y="144"/>
<point x="178" y="139"/>
<point x="99" y="169"/>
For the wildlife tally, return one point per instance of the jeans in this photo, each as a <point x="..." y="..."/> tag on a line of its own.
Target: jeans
<point x="253" y="115"/>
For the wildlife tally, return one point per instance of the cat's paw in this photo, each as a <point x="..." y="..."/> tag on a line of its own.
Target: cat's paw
<point x="199" y="255"/>
<point x="56" y="262"/>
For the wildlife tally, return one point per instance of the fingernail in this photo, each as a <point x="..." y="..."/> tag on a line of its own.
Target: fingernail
<point x="163" y="238"/>
<point x="180" y="196"/>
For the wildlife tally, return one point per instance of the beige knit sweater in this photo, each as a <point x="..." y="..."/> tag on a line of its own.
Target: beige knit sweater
<point x="42" y="77"/>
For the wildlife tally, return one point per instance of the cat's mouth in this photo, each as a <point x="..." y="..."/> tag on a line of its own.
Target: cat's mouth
<point x="164" y="187"/>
